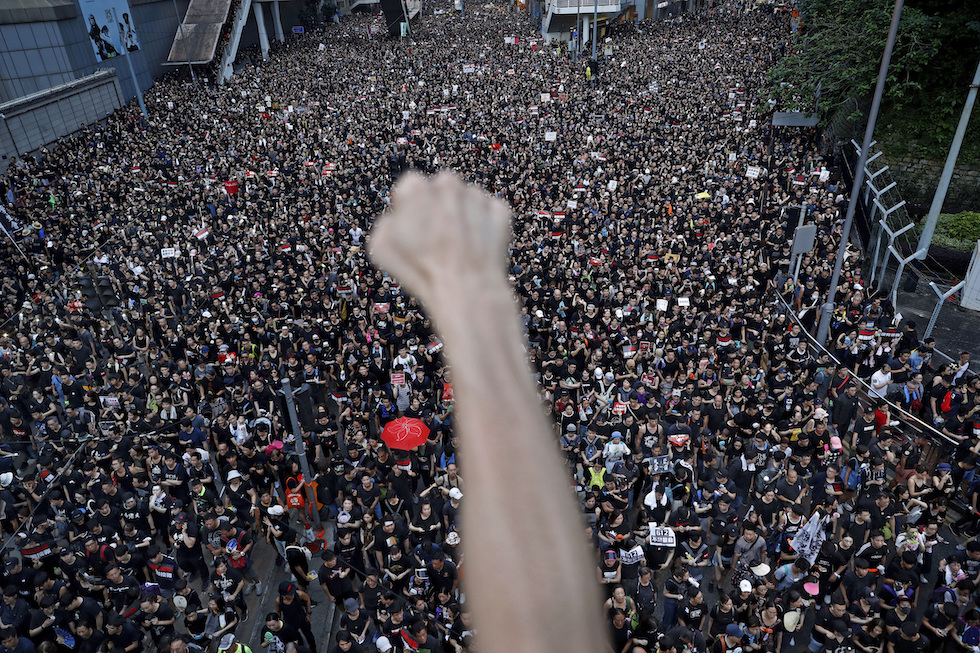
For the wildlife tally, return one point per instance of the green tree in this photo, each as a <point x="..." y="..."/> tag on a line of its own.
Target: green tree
<point x="839" y="50"/>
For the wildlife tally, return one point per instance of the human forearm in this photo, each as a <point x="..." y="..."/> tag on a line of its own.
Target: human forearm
<point x="464" y="287"/>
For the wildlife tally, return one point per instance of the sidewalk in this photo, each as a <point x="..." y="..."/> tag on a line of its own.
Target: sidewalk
<point x="956" y="330"/>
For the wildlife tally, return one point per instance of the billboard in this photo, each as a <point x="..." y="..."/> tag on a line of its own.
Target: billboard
<point x="110" y="27"/>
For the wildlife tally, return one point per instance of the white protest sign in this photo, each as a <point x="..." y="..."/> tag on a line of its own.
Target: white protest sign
<point x="662" y="537"/>
<point x="753" y="172"/>
<point x="551" y="136"/>
<point x="662" y="304"/>
<point x="169" y="252"/>
<point x="545" y="98"/>
<point x="683" y="301"/>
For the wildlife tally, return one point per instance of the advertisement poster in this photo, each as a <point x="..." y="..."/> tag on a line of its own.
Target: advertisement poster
<point x="110" y="27"/>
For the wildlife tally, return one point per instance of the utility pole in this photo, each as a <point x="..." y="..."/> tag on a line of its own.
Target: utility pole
<point x="304" y="465"/>
<point x="954" y="151"/>
<point x="828" y="308"/>
<point x="187" y="55"/>
<point x="129" y="60"/>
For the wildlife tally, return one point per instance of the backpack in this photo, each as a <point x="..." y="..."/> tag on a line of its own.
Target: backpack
<point x="971" y="635"/>
<point x="854" y="474"/>
<point x="774" y="542"/>
<point x="947" y="404"/>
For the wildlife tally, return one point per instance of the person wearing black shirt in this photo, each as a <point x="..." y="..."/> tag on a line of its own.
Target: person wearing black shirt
<point x="335" y="580"/>
<point x="908" y="639"/>
<point x="123" y="591"/>
<point x="276" y="634"/>
<point x="443" y="574"/>
<point x="693" y="612"/>
<point x="875" y="551"/>
<point x="186" y="537"/>
<point x="823" y="636"/>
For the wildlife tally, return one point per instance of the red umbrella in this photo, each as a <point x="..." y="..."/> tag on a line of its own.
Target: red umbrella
<point x="405" y="433"/>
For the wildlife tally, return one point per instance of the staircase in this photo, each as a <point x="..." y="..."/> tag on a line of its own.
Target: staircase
<point x="197" y="36"/>
<point x="227" y="67"/>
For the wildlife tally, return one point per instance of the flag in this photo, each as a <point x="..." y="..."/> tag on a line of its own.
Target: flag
<point x="810" y="538"/>
<point x="286" y="248"/>
<point x="202" y="233"/>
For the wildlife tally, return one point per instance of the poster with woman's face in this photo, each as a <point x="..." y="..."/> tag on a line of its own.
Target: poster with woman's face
<point x="110" y="27"/>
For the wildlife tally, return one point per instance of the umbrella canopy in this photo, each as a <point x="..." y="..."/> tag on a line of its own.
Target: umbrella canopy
<point x="405" y="433"/>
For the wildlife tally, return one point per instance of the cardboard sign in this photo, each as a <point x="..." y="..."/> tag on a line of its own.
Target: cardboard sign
<point x="662" y="537"/>
<point x="109" y="401"/>
<point x="660" y="464"/>
<point x="397" y="378"/>
<point x="545" y="98"/>
<point x="619" y="408"/>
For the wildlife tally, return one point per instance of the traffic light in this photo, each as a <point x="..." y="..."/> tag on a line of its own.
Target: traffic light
<point x="97" y="293"/>
<point x="90" y="294"/>
<point x="107" y="295"/>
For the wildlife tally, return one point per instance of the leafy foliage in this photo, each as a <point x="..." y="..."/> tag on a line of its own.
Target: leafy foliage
<point x="839" y="51"/>
<point x="958" y="231"/>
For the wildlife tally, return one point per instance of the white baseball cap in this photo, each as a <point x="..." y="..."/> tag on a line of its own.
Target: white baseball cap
<point x="456" y="494"/>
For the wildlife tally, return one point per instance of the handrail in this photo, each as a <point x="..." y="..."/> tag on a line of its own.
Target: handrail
<point x="584" y="4"/>
<point x="911" y="421"/>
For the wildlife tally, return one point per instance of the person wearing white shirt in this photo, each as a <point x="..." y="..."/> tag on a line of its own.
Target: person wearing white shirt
<point x="614" y="451"/>
<point x="880" y="381"/>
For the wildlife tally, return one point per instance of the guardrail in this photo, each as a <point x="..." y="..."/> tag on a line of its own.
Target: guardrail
<point x="911" y="424"/>
<point x="591" y="5"/>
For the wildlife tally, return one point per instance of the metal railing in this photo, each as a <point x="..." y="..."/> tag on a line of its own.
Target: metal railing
<point x="911" y="424"/>
<point x="585" y="5"/>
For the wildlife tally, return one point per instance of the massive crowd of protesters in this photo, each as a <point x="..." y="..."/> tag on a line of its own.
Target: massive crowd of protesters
<point x="739" y="493"/>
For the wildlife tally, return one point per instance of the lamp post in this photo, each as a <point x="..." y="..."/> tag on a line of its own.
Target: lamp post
<point x="823" y="330"/>
<point x="129" y="61"/>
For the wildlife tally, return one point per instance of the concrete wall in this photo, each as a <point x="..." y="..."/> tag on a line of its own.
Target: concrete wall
<point x="917" y="180"/>
<point x="39" y="54"/>
<point x="31" y="122"/>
